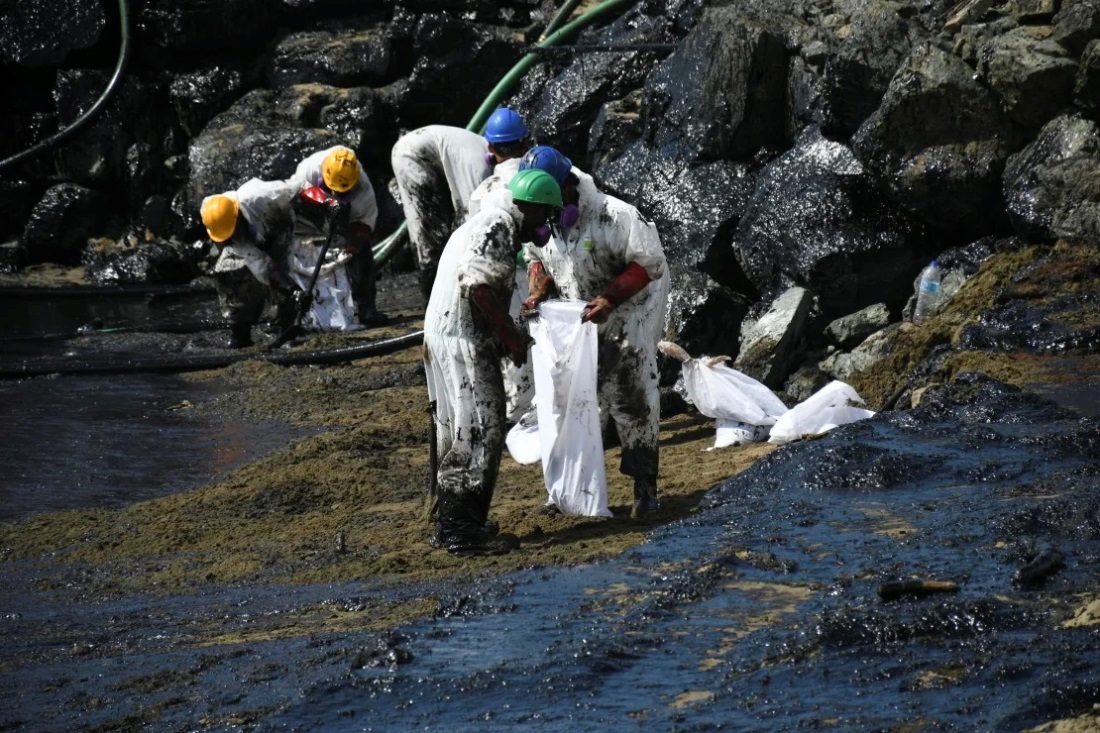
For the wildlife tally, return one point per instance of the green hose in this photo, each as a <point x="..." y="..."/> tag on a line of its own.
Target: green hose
<point x="385" y="249"/>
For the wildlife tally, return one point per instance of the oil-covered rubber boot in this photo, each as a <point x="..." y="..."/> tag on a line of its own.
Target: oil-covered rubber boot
<point x="240" y="335"/>
<point x="461" y="528"/>
<point x="645" y="497"/>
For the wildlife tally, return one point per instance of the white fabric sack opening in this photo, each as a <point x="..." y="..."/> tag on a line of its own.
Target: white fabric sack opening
<point x="567" y="404"/>
<point x="832" y="405"/>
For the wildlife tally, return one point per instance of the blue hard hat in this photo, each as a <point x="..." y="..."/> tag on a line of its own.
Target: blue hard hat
<point x="546" y="158"/>
<point x="505" y="126"/>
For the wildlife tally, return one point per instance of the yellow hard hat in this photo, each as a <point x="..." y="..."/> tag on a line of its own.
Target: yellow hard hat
<point x="219" y="216"/>
<point x="340" y="171"/>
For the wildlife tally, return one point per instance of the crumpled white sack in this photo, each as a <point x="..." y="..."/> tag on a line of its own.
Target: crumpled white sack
<point x="743" y="407"/>
<point x="834" y="404"/>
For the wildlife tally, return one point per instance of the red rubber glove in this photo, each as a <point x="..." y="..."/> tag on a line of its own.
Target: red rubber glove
<point x="510" y="337"/>
<point x="313" y="195"/>
<point x="541" y="286"/>
<point x="625" y="286"/>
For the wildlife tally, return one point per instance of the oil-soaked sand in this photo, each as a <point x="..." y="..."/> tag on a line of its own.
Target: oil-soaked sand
<point x="236" y="606"/>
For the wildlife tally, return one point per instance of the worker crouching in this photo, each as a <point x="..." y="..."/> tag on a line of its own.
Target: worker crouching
<point x="467" y="330"/>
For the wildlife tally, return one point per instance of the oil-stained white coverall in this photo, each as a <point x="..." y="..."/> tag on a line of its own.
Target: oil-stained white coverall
<point x="519" y="381"/>
<point x="608" y="236"/>
<point x="462" y="364"/>
<point x="345" y="285"/>
<point x="361" y="198"/>
<point x="251" y="262"/>
<point x="437" y="168"/>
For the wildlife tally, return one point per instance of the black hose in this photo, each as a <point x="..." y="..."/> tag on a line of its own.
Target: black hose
<point x="100" y="291"/>
<point x="195" y="362"/>
<point x="80" y="122"/>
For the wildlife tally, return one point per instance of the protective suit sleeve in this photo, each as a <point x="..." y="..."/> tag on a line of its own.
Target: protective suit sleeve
<point x="491" y="257"/>
<point x="643" y="244"/>
<point x="264" y="204"/>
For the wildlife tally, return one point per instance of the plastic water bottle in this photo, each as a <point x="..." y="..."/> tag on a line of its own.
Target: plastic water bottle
<point x="928" y="293"/>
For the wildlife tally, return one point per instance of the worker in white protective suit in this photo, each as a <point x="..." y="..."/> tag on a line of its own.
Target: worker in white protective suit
<point x="334" y="191"/>
<point x="603" y="251"/>
<point x="251" y="225"/>
<point x="437" y="168"/>
<point x="519" y="381"/>
<point x="467" y="330"/>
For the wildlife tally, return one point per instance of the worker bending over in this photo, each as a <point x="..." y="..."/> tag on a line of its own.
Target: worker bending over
<point x="437" y="169"/>
<point x="333" y="178"/>
<point x="251" y="226"/>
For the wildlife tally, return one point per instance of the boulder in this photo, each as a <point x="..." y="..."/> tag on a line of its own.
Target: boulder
<point x="154" y="262"/>
<point x="97" y="156"/>
<point x="973" y="38"/>
<point x="770" y="345"/>
<point x="870" y="47"/>
<point x="804" y="383"/>
<point x="564" y="94"/>
<point x="17" y="198"/>
<point x="719" y="96"/>
<point x="1052" y="187"/>
<point x="354" y="57"/>
<point x="200" y="25"/>
<point x="26" y="40"/>
<point x="1031" y="72"/>
<point x="939" y="142"/>
<point x="1076" y="24"/>
<point x="1086" y="90"/>
<point x="846" y="366"/>
<point x="458" y="62"/>
<point x="816" y="220"/>
<point x="62" y="222"/>
<point x="199" y="95"/>
<point x="850" y="330"/>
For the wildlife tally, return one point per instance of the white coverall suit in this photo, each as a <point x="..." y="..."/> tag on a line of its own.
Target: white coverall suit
<point x="609" y="235"/>
<point x="334" y="305"/>
<point x="462" y="364"/>
<point x="519" y="381"/>
<point x="250" y="260"/>
<point x="437" y="168"/>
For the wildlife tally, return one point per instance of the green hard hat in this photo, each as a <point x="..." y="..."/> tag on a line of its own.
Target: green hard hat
<point x="537" y="187"/>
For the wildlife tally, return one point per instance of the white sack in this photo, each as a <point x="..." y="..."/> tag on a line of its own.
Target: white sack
<point x="832" y="405"/>
<point x="333" y="307"/>
<point x="567" y="404"/>
<point x="524" y="444"/>
<point x="743" y="407"/>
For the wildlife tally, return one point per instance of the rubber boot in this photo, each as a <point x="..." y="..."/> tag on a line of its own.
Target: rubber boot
<point x="461" y="528"/>
<point x="645" y="497"/>
<point x="240" y="335"/>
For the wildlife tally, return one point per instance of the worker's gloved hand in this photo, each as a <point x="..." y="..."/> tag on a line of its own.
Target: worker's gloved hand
<point x="303" y="301"/>
<point x="529" y="308"/>
<point x="339" y="212"/>
<point x="514" y="342"/>
<point x="598" y="310"/>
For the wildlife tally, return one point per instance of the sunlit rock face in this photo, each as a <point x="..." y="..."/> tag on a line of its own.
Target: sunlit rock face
<point x="938" y="143"/>
<point x="1052" y="188"/>
<point x="815" y="219"/>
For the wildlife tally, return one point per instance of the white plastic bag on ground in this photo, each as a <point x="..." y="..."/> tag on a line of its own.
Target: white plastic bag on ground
<point x="567" y="405"/>
<point x="834" y="404"/>
<point x="743" y="407"/>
